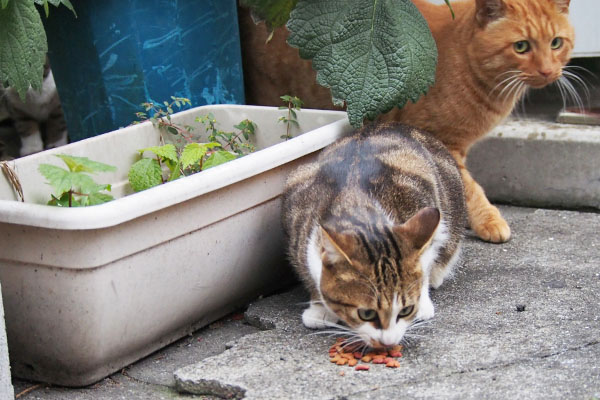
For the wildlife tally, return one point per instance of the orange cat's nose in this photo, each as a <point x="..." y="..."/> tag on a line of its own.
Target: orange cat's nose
<point x="545" y="72"/>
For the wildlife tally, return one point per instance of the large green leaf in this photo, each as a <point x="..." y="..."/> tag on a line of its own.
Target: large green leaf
<point x="23" y="46"/>
<point x="144" y="174"/>
<point x="167" y="152"/>
<point x="84" y="164"/>
<point x="193" y="152"/>
<point x="275" y="13"/>
<point x="373" y="54"/>
<point x="63" y="181"/>
<point x="55" y="3"/>
<point x="98" y="198"/>
<point x="218" y="158"/>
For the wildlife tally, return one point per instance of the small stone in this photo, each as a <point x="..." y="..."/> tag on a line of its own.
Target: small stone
<point x="520" y="307"/>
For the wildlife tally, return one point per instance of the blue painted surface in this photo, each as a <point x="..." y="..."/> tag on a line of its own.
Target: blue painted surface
<point x="118" y="54"/>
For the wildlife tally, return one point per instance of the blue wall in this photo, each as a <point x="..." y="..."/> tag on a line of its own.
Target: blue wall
<point x="118" y="54"/>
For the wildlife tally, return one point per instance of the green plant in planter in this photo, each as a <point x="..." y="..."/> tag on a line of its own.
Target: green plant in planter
<point x="171" y="161"/>
<point x="237" y="142"/>
<point x="148" y="172"/>
<point x="372" y="54"/>
<point x="74" y="187"/>
<point x="293" y="104"/>
<point x="160" y="116"/>
<point x="23" y="43"/>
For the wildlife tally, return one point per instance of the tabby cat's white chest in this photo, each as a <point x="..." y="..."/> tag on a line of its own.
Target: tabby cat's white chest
<point x="313" y="257"/>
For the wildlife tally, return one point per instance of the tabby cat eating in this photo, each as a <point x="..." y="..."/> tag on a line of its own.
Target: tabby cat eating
<point x="487" y="57"/>
<point x="372" y="224"/>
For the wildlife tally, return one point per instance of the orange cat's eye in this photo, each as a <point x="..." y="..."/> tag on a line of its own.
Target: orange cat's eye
<point x="556" y="44"/>
<point x="367" y="314"/>
<point x="522" y="46"/>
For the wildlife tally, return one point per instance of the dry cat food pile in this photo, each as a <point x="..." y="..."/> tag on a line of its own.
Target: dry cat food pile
<point x="341" y="354"/>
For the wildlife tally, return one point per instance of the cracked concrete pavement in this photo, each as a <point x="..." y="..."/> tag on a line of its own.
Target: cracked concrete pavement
<point x="519" y="320"/>
<point x="478" y="346"/>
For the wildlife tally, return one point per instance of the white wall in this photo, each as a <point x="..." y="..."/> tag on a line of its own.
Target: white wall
<point x="585" y="16"/>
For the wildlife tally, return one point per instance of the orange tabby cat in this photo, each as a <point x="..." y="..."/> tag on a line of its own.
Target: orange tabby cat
<point x="488" y="56"/>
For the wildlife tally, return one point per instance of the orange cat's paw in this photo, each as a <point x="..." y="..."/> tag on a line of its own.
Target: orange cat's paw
<point x="493" y="228"/>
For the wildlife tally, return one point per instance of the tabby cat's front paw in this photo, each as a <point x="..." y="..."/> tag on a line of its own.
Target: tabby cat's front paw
<point x="318" y="317"/>
<point x="426" y="309"/>
<point x="490" y="226"/>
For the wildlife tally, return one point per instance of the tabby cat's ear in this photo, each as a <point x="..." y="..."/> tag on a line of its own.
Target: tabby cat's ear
<point x="563" y="5"/>
<point x="489" y="10"/>
<point x="332" y="245"/>
<point x="420" y="227"/>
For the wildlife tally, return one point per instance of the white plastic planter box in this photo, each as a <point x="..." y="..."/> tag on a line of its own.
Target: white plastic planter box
<point x="90" y="290"/>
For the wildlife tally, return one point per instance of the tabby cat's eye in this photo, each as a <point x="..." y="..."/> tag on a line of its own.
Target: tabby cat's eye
<point x="367" y="314"/>
<point x="406" y="311"/>
<point x="556" y="44"/>
<point x="522" y="46"/>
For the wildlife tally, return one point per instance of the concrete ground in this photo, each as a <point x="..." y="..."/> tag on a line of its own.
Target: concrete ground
<point x="519" y="320"/>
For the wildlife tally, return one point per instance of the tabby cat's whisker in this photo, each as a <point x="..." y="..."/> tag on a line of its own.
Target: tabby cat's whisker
<point x="351" y="343"/>
<point x="329" y="333"/>
<point x="343" y="328"/>
<point x="407" y="341"/>
<point x="413" y="335"/>
<point x="420" y="322"/>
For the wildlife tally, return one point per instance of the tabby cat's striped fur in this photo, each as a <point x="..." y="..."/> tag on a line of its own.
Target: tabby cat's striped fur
<point x="374" y="222"/>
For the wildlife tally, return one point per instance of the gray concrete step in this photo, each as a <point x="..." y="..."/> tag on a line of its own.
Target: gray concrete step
<point x="539" y="164"/>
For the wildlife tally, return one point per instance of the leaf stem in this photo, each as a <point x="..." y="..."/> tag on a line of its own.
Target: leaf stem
<point x="162" y="180"/>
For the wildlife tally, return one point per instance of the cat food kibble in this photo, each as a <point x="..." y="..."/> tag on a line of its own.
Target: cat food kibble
<point x="342" y="354"/>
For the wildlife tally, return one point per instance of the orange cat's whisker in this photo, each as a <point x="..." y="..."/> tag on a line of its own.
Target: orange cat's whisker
<point x="513" y="89"/>
<point x="514" y="74"/>
<point x="568" y="91"/>
<point x="570" y="76"/>
<point x="563" y="95"/>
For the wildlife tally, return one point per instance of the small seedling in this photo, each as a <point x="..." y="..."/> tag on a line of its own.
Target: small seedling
<point x="160" y="116"/>
<point x="74" y="187"/>
<point x="293" y="104"/>
<point x="236" y="142"/>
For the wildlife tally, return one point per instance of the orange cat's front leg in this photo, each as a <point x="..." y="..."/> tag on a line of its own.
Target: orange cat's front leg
<point x="484" y="218"/>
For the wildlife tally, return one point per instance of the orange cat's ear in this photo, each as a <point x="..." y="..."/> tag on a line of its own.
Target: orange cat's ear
<point x="488" y="11"/>
<point x="332" y="245"/>
<point x="563" y="5"/>
<point x="421" y="226"/>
